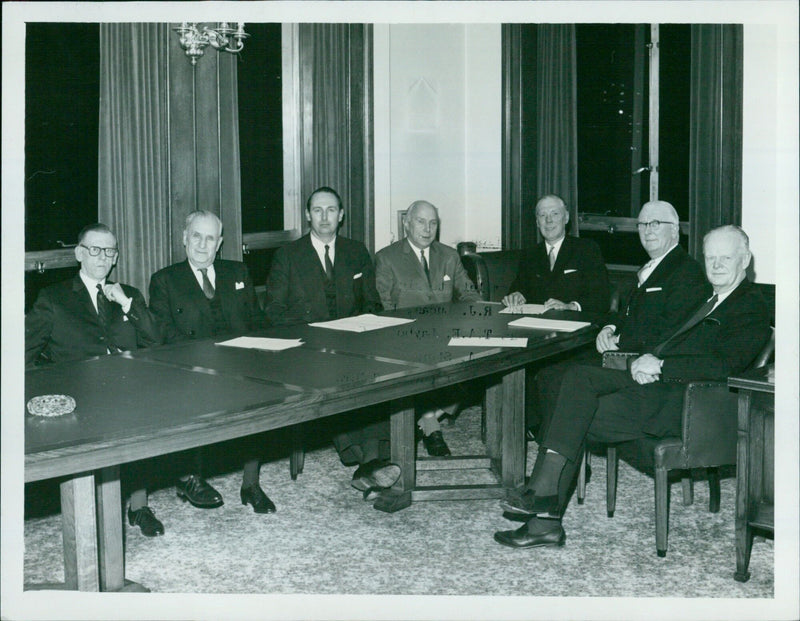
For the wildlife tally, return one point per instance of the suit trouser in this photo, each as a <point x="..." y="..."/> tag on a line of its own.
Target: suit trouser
<point x="606" y="405"/>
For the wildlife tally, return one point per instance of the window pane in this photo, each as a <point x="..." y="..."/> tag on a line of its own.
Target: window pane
<point x="674" y="85"/>
<point x="62" y="91"/>
<point x="607" y="95"/>
<point x="261" y="129"/>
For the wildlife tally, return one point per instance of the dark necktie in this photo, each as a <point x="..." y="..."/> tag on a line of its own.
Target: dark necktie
<point x="328" y="264"/>
<point x="103" y="306"/>
<point x="207" y="288"/>
<point x="425" y="266"/>
<point x="690" y="323"/>
<point x="552" y="257"/>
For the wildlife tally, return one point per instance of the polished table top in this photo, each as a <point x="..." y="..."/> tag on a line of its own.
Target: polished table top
<point x="160" y="400"/>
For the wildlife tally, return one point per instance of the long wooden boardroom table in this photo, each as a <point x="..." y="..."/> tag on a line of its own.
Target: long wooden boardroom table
<point x="156" y="401"/>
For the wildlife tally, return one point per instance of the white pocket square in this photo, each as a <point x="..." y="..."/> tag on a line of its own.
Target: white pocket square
<point x="569" y="271"/>
<point x="446" y="278"/>
<point x="239" y="285"/>
<point x="357" y="276"/>
<point x="651" y="289"/>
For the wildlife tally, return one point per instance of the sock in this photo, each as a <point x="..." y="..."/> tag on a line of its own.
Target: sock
<point x="250" y="473"/>
<point x="546" y="481"/>
<point x="428" y="423"/>
<point x="138" y="499"/>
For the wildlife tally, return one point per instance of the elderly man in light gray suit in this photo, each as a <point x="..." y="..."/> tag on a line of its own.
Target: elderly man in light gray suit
<point x="419" y="270"/>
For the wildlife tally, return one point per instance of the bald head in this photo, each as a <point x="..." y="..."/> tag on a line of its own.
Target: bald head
<point x="659" y="228"/>
<point x="421" y="223"/>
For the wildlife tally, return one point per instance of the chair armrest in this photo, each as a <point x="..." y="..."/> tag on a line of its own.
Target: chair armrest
<point x="476" y="269"/>
<point x="709" y="425"/>
<point x="618" y="359"/>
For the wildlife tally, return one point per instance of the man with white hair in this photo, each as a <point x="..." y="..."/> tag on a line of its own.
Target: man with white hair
<point x="206" y="297"/>
<point x="722" y="336"/>
<point x="419" y="270"/>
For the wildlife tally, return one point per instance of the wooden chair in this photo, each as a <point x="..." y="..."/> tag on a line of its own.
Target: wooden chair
<point x="708" y="441"/>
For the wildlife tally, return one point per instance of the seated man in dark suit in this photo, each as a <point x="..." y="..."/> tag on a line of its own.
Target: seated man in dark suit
<point x="419" y="270"/>
<point x="670" y="286"/>
<point x="88" y="316"/>
<point x="323" y="276"/>
<point x="721" y="337"/>
<point x="562" y="272"/>
<point x="199" y="298"/>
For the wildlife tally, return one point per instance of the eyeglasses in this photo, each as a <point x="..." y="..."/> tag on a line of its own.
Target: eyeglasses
<point x="95" y="251"/>
<point x="653" y="225"/>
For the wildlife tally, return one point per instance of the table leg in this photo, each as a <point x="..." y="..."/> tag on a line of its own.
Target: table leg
<point x="743" y="531"/>
<point x="513" y="429"/>
<point x="493" y="414"/>
<point x="79" y="528"/>
<point x="109" y="521"/>
<point x="403" y="454"/>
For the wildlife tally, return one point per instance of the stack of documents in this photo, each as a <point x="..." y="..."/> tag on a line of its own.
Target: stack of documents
<point x="361" y="323"/>
<point x="267" y="344"/>
<point x="523" y="309"/>
<point x="491" y="341"/>
<point x="558" y="325"/>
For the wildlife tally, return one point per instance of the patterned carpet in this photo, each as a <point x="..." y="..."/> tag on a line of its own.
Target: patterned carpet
<point x="325" y="539"/>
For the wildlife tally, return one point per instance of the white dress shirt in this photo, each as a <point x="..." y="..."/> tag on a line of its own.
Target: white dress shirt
<point x="319" y="247"/>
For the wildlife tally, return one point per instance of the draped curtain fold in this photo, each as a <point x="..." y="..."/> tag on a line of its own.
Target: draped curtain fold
<point x="336" y="100"/>
<point x="133" y="166"/>
<point x="557" y="124"/>
<point x="715" y="143"/>
<point x="540" y="152"/>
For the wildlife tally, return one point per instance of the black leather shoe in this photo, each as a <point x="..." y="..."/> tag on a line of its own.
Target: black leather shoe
<point x="435" y="444"/>
<point x="528" y="503"/>
<point x="377" y="473"/>
<point x="533" y="534"/>
<point x="146" y="520"/>
<point x="197" y="491"/>
<point x="254" y="495"/>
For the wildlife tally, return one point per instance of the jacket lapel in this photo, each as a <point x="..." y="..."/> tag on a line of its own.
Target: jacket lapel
<point x="84" y="300"/>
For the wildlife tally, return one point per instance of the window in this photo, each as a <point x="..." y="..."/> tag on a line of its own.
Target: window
<point x="633" y="129"/>
<point x="62" y="87"/>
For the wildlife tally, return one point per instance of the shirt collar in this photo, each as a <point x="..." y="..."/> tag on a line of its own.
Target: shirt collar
<point x="654" y="262"/>
<point x="319" y="245"/>
<point x="425" y="251"/>
<point x="91" y="283"/>
<point x="556" y="244"/>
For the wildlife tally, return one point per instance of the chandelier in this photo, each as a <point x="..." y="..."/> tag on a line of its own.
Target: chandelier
<point x="224" y="37"/>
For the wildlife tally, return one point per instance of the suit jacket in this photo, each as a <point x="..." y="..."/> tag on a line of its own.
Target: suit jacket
<point x="183" y="311"/>
<point x="296" y="283"/>
<point x="401" y="281"/>
<point x="656" y="309"/>
<point x="724" y="343"/>
<point x="579" y="275"/>
<point x="63" y="324"/>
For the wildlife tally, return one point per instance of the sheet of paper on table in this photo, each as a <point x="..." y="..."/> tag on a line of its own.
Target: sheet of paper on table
<point x="492" y="341"/>
<point x="361" y="323"/>
<point x="257" y="342"/>
<point x="523" y="309"/>
<point x="558" y="325"/>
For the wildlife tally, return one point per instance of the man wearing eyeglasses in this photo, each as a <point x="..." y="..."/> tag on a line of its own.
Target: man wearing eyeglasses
<point x="87" y="316"/>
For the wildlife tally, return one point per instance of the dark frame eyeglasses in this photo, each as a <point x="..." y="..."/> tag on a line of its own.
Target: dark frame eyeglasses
<point x="653" y="224"/>
<point x="95" y="251"/>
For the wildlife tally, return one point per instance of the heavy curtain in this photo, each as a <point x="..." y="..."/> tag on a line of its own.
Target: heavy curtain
<point x="133" y="166"/>
<point x="540" y="154"/>
<point x="169" y="144"/>
<point x="337" y="135"/>
<point x="715" y="144"/>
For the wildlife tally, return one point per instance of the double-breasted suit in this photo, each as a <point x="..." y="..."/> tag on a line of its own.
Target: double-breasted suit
<point x="401" y="280"/>
<point x="183" y="311"/>
<point x="296" y="283"/>
<point x="578" y="275"/>
<point x="64" y="325"/>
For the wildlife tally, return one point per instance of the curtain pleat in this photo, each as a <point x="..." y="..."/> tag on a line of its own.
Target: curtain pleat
<point x="715" y="143"/>
<point x="133" y="162"/>
<point x="337" y="119"/>
<point x="557" y="144"/>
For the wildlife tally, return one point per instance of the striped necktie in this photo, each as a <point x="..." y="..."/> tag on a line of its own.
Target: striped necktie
<point x="207" y="288"/>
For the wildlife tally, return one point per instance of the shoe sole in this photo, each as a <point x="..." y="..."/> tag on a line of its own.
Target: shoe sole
<point x="514" y="510"/>
<point x="185" y="498"/>
<point x="382" y="477"/>
<point x="545" y="544"/>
